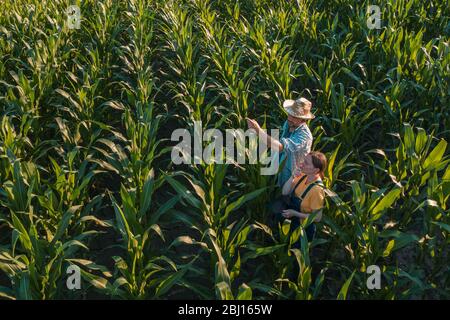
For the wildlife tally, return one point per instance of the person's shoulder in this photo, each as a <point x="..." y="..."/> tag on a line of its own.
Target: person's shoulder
<point x="300" y="176"/>
<point x="319" y="188"/>
<point x="317" y="194"/>
<point x="307" y="130"/>
<point x="304" y="130"/>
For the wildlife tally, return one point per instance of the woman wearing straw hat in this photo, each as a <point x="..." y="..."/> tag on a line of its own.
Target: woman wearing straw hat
<point x="296" y="138"/>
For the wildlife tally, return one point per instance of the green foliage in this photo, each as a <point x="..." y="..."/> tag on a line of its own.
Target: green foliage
<point x="86" y="177"/>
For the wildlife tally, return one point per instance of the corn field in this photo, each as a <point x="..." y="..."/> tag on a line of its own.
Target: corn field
<point x="86" y="177"/>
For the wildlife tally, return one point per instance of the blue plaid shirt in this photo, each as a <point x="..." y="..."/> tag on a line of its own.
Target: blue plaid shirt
<point x="296" y="145"/>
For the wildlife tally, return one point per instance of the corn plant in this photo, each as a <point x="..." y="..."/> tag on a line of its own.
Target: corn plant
<point x="40" y="245"/>
<point x="230" y="82"/>
<point x="186" y="63"/>
<point x="85" y="173"/>
<point x="214" y="208"/>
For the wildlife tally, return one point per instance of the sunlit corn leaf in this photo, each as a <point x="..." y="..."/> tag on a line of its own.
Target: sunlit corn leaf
<point x="386" y="202"/>
<point x="223" y="291"/>
<point x="64" y="223"/>
<point x="169" y="282"/>
<point x="244" y="293"/>
<point x="342" y="295"/>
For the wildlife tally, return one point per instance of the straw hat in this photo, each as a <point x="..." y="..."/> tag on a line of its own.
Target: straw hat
<point x="300" y="108"/>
